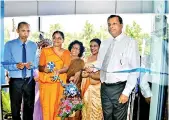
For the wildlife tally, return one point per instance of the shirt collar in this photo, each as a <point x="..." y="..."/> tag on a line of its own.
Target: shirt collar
<point x="118" y="38"/>
<point x="20" y="42"/>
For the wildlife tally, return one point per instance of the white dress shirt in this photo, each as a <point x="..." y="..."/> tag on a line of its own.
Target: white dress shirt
<point x="145" y="77"/>
<point x="144" y="85"/>
<point x="125" y="56"/>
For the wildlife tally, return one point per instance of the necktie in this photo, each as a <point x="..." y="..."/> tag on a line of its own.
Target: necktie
<point x="108" y="56"/>
<point x="24" y="60"/>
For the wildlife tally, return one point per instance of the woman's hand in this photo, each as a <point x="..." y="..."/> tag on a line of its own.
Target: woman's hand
<point x="89" y="68"/>
<point x="46" y="70"/>
<point x="36" y="79"/>
<point x="57" y="72"/>
<point x="71" y="79"/>
<point x="77" y="76"/>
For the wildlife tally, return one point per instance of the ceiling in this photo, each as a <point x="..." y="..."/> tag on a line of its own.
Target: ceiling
<point x="14" y="8"/>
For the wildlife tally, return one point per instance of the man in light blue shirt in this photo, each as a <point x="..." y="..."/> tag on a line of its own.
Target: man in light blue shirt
<point x="21" y="85"/>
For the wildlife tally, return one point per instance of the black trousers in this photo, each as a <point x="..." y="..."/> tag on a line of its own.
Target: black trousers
<point x="112" y="109"/>
<point x="19" y="90"/>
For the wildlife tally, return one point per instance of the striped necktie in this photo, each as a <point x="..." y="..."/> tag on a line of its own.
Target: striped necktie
<point x="108" y="56"/>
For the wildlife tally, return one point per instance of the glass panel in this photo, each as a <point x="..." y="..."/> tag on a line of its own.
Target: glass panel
<point x="152" y="39"/>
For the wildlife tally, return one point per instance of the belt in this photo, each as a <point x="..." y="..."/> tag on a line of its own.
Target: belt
<point x="117" y="83"/>
<point x="21" y="78"/>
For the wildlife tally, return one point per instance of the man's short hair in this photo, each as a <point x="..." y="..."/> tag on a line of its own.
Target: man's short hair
<point x="21" y="23"/>
<point x="113" y="16"/>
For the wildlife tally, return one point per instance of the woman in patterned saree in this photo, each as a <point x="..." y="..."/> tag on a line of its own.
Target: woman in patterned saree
<point x="92" y="109"/>
<point x="51" y="91"/>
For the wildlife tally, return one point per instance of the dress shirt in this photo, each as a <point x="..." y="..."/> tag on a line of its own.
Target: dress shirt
<point x="144" y="85"/>
<point x="125" y="56"/>
<point x="13" y="53"/>
<point x="145" y="77"/>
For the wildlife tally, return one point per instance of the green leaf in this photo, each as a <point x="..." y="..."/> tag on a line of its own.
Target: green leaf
<point x="6" y="102"/>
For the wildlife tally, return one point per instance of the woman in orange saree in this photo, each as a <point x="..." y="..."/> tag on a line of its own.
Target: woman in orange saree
<point x="51" y="91"/>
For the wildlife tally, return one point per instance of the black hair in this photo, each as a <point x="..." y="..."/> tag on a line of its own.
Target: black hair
<point x="98" y="41"/>
<point x="113" y="16"/>
<point x="21" y="23"/>
<point x="82" y="48"/>
<point x="60" y="32"/>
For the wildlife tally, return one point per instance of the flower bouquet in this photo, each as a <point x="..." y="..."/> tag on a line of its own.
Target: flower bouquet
<point x="69" y="106"/>
<point x="71" y="102"/>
